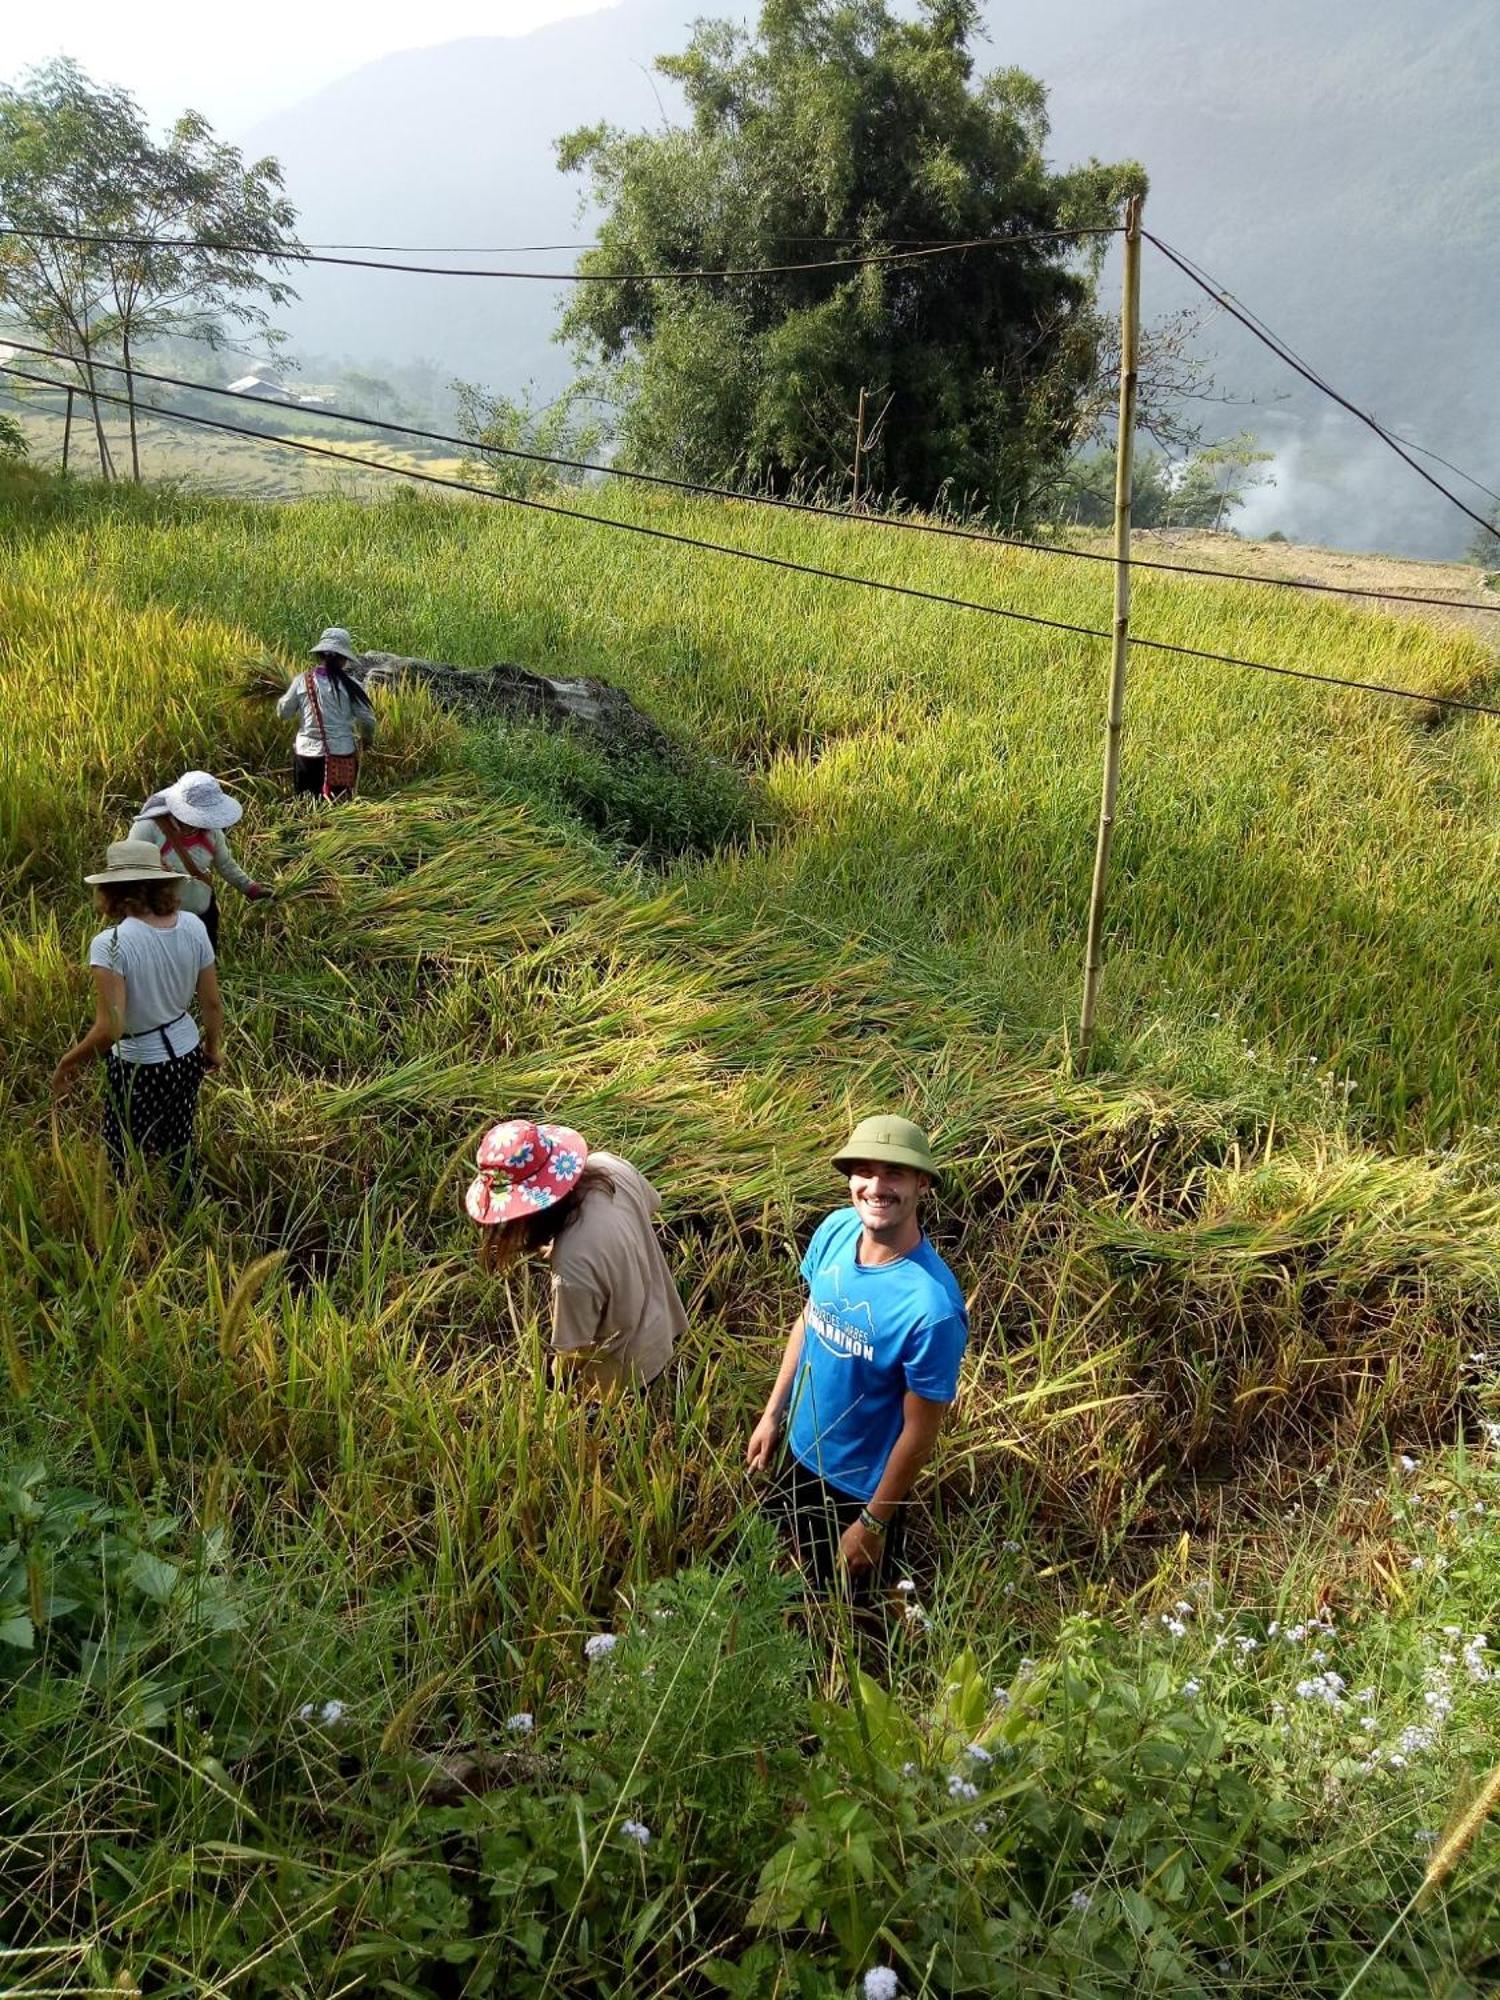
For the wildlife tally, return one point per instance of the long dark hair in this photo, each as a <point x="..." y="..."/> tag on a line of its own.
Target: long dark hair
<point x="502" y="1244"/>
<point x="353" y="690"/>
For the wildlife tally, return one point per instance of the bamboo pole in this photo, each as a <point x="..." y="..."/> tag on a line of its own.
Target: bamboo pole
<point x="67" y="431"/>
<point x="859" y="451"/>
<point x="1130" y="323"/>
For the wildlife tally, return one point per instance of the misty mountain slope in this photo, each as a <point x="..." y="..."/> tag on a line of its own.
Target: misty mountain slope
<point x="1335" y="166"/>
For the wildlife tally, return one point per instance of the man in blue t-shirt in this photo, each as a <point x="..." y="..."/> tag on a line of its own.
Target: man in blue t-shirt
<point x="870" y="1366"/>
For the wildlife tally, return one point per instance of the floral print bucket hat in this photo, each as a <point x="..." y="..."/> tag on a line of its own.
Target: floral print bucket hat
<point x="523" y="1168"/>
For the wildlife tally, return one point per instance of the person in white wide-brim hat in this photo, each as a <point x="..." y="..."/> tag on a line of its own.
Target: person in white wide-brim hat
<point x="151" y="964"/>
<point x="335" y="719"/>
<point x="186" y="821"/>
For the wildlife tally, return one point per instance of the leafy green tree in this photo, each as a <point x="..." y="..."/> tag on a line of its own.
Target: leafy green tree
<point x="551" y="430"/>
<point x="78" y="157"/>
<point x="836" y="129"/>
<point x="1214" y="481"/>
<point x="1086" y="495"/>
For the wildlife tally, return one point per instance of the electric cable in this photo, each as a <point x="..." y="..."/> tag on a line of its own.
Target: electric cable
<point x="1427" y="700"/>
<point x="709" y="491"/>
<point x="1222" y="293"/>
<point x="876" y="257"/>
<point x="1283" y="353"/>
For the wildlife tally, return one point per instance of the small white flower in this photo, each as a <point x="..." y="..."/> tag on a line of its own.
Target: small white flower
<point x="1425" y="1836"/>
<point x="1406" y="1462"/>
<point x="960" y="1788"/>
<point x="600" y="1646"/>
<point x="520" y="1725"/>
<point x="1191" y="1690"/>
<point x="1369" y="1722"/>
<point x="1174" y="1626"/>
<point x="910" y="1770"/>
<point x="981" y="1826"/>
<point x="907" y="1589"/>
<point x="634" y="1830"/>
<point x="881" y="1983"/>
<point x="1417" y="1564"/>
<point x="1245" y="1645"/>
<point x="980" y="1755"/>
<point x="330" y="1713"/>
<point x="1081" y="1901"/>
<point x="1010" y="1548"/>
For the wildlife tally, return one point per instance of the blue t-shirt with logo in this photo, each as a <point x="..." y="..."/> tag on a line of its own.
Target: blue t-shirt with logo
<point x="872" y="1331"/>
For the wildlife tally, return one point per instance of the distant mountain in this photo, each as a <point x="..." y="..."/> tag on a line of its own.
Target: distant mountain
<point x="1336" y="165"/>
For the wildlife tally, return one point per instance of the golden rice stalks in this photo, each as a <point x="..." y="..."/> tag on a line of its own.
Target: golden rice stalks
<point x="243" y="1297"/>
<point x="1459" y="1834"/>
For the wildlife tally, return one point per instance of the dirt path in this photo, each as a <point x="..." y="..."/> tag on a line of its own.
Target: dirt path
<point x="1462" y="582"/>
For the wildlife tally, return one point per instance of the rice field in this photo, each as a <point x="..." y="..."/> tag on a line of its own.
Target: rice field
<point x="1221" y="1287"/>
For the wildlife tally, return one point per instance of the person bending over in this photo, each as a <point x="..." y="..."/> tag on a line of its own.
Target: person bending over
<point x="187" y="822"/>
<point x="539" y="1192"/>
<point x="870" y="1366"/>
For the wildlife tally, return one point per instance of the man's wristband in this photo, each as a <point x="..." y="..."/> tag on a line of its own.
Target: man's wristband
<point x="870" y="1521"/>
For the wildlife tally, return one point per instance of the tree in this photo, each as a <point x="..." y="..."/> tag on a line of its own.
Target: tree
<point x="835" y="130"/>
<point x="1214" y="481"/>
<point x="1085" y="496"/>
<point x="553" y="430"/>
<point x="75" y="157"/>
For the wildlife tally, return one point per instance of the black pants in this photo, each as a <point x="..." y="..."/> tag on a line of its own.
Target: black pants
<point x="307" y="778"/>
<point x="812" y="1517"/>
<point x="210" y="921"/>
<point x="149" y="1109"/>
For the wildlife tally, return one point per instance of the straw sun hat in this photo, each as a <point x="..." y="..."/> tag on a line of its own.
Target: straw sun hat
<point x="197" y="799"/>
<point x="336" y="640"/>
<point x="524" y="1168"/>
<point x="134" y="861"/>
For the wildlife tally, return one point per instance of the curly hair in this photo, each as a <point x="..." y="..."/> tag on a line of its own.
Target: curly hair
<point x="118" y="900"/>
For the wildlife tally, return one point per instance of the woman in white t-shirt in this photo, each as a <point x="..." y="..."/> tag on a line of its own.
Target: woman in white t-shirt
<point x="540" y="1192"/>
<point x="149" y="966"/>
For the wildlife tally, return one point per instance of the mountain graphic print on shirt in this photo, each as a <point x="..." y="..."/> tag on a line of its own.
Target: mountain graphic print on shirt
<point x="873" y="1331"/>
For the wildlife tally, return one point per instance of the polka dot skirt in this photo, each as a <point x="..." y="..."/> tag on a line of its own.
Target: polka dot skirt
<point x="149" y="1109"/>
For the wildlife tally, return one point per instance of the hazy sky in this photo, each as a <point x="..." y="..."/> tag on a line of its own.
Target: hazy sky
<point x="237" y="64"/>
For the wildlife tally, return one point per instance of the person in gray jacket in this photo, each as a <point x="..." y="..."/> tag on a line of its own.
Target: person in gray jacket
<point x="335" y="719"/>
<point x="187" y="822"/>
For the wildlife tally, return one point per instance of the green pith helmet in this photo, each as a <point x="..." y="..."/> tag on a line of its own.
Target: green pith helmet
<point x="886" y="1137"/>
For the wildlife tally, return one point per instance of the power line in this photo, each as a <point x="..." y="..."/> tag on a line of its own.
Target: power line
<point x="709" y="491"/>
<point x="1223" y="294"/>
<point x="528" y="249"/>
<point x="874" y="257"/>
<point x="1283" y="353"/>
<point x="770" y="561"/>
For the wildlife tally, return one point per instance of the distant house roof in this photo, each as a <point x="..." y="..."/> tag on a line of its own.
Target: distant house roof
<point x="261" y="385"/>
